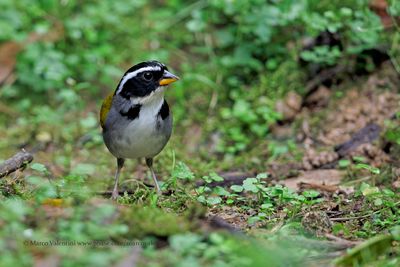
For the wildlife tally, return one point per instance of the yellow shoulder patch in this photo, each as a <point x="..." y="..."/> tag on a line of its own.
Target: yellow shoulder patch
<point x="105" y="108"/>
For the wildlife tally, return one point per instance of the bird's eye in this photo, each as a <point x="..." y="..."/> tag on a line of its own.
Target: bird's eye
<point x="148" y="76"/>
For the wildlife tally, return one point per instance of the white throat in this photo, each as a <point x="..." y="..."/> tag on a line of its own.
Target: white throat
<point x="152" y="102"/>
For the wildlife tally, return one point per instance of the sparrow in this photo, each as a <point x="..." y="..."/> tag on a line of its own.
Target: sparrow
<point x="136" y="119"/>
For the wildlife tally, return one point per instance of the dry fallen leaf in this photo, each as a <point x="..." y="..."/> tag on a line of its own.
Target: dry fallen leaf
<point x="8" y="54"/>
<point x="320" y="177"/>
<point x="380" y="7"/>
<point x="9" y="50"/>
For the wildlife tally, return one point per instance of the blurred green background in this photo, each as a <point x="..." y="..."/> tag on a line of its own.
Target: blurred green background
<point x="236" y="59"/>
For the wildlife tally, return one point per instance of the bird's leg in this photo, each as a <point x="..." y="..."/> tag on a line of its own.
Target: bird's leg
<point x="149" y="162"/>
<point x="120" y="164"/>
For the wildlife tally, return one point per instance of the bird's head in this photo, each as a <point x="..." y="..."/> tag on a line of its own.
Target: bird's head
<point x="144" y="80"/>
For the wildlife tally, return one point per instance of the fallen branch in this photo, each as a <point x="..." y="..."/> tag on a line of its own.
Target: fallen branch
<point x="14" y="163"/>
<point x="366" y="135"/>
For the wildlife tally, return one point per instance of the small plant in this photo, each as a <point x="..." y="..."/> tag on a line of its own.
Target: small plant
<point x="255" y="194"/>
<point x="211" y="195"/>
<point x="180" y="172"/>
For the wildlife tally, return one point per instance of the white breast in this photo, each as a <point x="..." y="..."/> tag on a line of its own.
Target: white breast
<point x="145" y="136"/>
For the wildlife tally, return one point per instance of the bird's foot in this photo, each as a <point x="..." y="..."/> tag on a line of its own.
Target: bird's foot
<point x="114" y="195"/>
<point x="158" y="189"/>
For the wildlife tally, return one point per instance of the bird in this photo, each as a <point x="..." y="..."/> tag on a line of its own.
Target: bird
<point x="136" y="120"/>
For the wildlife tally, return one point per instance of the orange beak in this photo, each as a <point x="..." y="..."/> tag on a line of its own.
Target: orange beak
<point x="168" y="78"/>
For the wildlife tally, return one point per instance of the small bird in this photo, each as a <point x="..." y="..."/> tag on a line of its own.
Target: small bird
<point x="136" y="119"/>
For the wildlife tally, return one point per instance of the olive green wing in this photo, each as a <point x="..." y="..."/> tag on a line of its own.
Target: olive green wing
<point x="105" y="108"/>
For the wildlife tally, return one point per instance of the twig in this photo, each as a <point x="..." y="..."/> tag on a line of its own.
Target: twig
<point x="356" y="181"/>
<point x="16" y="162"/>
<point x="340" y="219"/>
<point x="322" y="77"/>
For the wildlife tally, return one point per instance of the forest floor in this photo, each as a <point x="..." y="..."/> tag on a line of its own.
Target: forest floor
<point x="335" y="190"/>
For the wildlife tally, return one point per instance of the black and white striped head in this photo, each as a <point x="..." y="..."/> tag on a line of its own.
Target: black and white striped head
<point x="144" y="79"/>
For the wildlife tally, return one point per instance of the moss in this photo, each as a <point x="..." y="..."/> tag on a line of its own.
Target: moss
<point x="151" y="221"/>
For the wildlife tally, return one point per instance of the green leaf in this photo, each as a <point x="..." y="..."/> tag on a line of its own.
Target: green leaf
<point x="249" y="185"/>
<point x="370" y="168"/>
<point x="253" y="220"/>
<point x="39" y="167"/>
<point x="221" y="191"/>
<point x="366" y="252"/>
<point x="262" y="176"/>
<point x="368" y="190"/>
<point x="184" y="242"/>
<point x="359" y="159"/>
<point x="311" y="193"/>
<point x="266" y="206"/>
<point x="229" y="201"/>
<point x="378" y="202"/>
<point x="89" y="122"/>
<point x="201" y="199"/>
<point x="237" y="188"/>
<point x="207" y="179"/>
<point x="182" y="171"/>
<point x="214" y="200"/>
<point x="84" y="169"/>
<point x="215" y="177"/>
<point x="343" y="163"/>
<point x="43" y="188"/>
<point x="388" y="192"/>
<point x="396" y="232"/>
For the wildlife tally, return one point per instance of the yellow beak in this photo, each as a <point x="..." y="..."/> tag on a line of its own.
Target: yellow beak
<point x="168" y="78"/>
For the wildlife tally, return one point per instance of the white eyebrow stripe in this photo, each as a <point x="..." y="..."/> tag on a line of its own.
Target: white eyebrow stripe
<point x="135" y="73"/>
